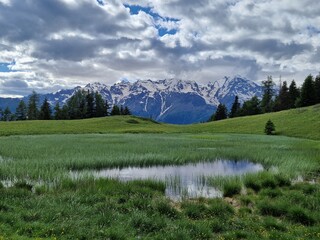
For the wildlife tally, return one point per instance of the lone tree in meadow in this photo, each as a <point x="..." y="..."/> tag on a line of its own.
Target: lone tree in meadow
<point x="269" y="128"/>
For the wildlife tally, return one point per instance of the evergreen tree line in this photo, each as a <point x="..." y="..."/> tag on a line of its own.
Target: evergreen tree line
<point x="288" y="97"/>
<point x="83" y="104"/>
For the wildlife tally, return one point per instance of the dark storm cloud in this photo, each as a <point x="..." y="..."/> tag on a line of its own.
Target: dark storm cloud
<point x="273" y="47"/>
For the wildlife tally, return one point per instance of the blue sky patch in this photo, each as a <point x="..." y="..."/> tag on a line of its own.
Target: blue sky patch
<point x="4" y="67"/>
<point x="100" y="2"/>
<point x="135" y="9"/>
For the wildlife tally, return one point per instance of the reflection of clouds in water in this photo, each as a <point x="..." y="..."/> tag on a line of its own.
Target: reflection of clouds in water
<point x="187" y="178"/>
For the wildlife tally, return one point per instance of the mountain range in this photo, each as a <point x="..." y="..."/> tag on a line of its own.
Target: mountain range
<point x="170" y="100"/>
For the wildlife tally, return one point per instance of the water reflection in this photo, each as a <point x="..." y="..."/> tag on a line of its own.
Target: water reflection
<point x="183" y="181"/>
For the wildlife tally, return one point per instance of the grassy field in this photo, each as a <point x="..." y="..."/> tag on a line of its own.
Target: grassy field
<point x="302" y="123"/>
<point x="43" y="202"/>
<point x="40" y="200"/>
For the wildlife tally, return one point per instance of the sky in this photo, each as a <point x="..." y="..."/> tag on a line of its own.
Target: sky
<point x="47" y="45"/>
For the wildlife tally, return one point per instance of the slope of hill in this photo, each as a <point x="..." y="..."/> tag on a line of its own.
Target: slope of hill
<point x="302" y="123"/>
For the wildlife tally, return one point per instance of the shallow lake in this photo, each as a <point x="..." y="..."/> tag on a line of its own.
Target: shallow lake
<point x="183" y="181"/>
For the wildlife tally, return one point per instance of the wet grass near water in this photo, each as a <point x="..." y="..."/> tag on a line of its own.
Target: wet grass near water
<point x="44" y="202"/>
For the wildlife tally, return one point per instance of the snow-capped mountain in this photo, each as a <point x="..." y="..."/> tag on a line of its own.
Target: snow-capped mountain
<point x="169" y="100"/>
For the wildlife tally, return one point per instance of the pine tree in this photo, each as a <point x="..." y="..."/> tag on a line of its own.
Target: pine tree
<point x="57" y="111"/>
<point x="269" y="128"/>
<point x="317" y="88"/>
<point x="126" y="111"/>
<point x="21" y="111"/>
<point x="251" y="107"/>
<point x="294" y="94"/>
<point x="33" y="111"/>
<point x="101" y="109"/>
<point x="308" y="94"/>
<point x="121" y="110"/>
<point x="268" y="92"/>
<point x="221" y="113"/>
<point x="45" y="110"/>
<point x="90" y="98"/>
<point x="7" y="115"/>
<point x="235" y="108"/>
<point x="115" y="110"/>
<point x="65" y="112"/>
<point x="77" y="105"/>
<point x="282" y="101"/>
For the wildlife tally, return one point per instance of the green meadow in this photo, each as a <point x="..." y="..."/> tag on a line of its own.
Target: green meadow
<point x="40" y="200"/>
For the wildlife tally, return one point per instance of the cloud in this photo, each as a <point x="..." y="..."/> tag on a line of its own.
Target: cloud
<point x="65" y="43"/>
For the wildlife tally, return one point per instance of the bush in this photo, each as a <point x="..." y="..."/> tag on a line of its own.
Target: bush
<point x="269" y="128"/>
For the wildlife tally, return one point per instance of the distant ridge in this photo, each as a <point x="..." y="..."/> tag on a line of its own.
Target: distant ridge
<point x="169" y="100"/>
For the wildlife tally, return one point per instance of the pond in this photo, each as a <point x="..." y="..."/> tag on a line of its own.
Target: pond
<point x="182" y="181"/>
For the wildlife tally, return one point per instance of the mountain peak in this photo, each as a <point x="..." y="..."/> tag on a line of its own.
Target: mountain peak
<point x="170" y="100"/>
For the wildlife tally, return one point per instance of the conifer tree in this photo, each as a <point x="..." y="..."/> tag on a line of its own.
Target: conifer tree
<point x="33" y="111"/>
<point x="45" y="110"/>
<point x="126" y="111"/>
<point x="101" y="109"/>
<point x="317" y="88"/>
<point x="269" y="128"/>
<point x="294" y="94"/>
<point x="7" y="115"/>
<point x="282" y="101"/>
<point x="57" y="111"/>
<point x="251" y="107"/>
<point x="21" y="111"/>
<point x="268" y="92"/>
<point x="115" y="110"/>
<point x="308" y="94"/>
<point x="235" y="108"/>
<point x="221" y="113"/>
<point x="90" y="103"/>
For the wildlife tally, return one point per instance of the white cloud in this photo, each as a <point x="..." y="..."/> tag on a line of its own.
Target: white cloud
<point x="67" y="42"/>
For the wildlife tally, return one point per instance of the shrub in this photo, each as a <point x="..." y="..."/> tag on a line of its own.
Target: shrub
<point x="269" y="128"/>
